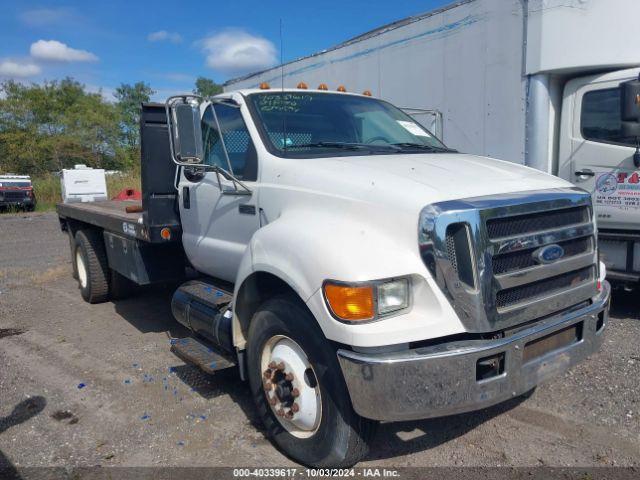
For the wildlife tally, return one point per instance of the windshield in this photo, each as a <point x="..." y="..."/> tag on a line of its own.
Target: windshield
<point x="12" y="184"/>
<point x="309" y="124"/>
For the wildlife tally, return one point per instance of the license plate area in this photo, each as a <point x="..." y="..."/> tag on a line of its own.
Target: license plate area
<point x="552" y="342"/>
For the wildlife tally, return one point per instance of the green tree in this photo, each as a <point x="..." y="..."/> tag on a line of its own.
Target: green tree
<point x="129" y="98"/>
<point x="54" y="125"/>
<point x="206" y="87"/>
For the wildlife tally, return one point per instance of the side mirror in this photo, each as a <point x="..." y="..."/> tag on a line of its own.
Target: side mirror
<point x="630" y="114"/>
<point x="185" y="131"/>
<point x="630" y="101"/>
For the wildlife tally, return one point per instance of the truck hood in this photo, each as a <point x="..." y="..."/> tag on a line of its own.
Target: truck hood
<point x="420" y="179"/>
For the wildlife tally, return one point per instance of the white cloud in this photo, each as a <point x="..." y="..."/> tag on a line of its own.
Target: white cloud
<point x="236" y="51"/>
<point x="164" y="36"/>
<point x="52" y="50"/>
<point x="15" y="69"/>
<point x="40" y="17"/>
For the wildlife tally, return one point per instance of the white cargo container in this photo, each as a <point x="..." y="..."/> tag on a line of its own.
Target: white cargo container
<point x="83" y="184"/>
<point x="530" y="81"/>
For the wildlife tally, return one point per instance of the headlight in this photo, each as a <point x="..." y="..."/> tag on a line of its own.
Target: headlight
<point x="368" y="300"/>
<point x="393" y="296"/>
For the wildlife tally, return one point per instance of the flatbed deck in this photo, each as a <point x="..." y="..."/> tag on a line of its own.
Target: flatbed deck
<point x="112" y="216"/>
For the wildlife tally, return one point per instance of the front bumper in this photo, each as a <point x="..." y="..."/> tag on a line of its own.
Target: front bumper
<point x="26" y="202"/>
<point x="442" y="380"/>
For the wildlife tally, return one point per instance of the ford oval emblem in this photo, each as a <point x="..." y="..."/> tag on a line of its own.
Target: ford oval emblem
<point x="548" y="254"/>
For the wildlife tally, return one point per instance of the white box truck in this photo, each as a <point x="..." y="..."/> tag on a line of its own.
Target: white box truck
<point x="351" y="266"/>
<point x="529" y="81"/>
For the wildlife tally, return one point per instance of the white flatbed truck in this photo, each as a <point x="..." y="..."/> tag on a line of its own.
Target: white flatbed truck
<point x="353" y="267"/>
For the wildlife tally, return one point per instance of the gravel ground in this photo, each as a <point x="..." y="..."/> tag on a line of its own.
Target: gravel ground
<point x="86" y="385"/>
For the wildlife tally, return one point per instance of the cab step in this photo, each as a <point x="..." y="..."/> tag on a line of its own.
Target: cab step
<point x="197" y="352"/>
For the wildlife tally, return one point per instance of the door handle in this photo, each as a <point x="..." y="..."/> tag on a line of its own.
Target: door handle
<point x="186" y="197"/>
<point x="585" y="173"/>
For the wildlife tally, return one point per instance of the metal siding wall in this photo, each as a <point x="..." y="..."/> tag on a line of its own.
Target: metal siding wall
<point x="466" y="62"/>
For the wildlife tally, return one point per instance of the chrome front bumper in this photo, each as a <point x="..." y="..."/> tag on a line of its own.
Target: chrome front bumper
<point x="442" y="380"/>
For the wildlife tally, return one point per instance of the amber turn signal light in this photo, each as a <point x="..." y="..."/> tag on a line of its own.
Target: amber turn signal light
<point x="350" y="303"/>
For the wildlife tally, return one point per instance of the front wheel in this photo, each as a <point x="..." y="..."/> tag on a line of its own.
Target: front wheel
<point x="299" y="390"/>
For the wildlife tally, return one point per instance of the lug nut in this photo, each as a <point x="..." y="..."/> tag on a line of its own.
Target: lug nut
<point x="268" y="385"/>
<point x="289" y="415"/>
<point x="273" y="401"/>
<point x="281" y="412"/>
<point x="272" y="364"/>
<point x="295" y="407"/>
<point x="280" y="366"/>
<point x="289" y="377"/>
<point x="295" y="393"/>
<point x="267" y="373"/>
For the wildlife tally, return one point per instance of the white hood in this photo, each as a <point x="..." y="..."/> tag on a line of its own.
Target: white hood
<point x="414" y="180"/>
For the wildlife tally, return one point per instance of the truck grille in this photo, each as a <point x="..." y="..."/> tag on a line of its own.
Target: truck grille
<point x="536" y="222"/>
<point x="524" y="259"/>
<point x="532" y="291"/>
<point x="13" y="195"/>
<point x="486" y="255"/>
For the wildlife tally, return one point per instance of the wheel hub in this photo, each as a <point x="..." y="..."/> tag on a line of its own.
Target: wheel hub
<point x="296" y="404"/>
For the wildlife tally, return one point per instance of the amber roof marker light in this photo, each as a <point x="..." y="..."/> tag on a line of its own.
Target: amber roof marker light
<point x="302" y="86"/>
<point x="323" y="86"/>
<point x="264" y="86"/>
<point x="342" y="89"/>
<point x="367" y="93"/>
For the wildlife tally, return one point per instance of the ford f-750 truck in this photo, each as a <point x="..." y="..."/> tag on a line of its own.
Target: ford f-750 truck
<point x="350" y="265"/>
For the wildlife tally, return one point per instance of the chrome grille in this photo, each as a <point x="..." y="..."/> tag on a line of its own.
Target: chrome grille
<point x="524" y="259"/>
<point x="514" y="296"/>
<point x="536" y="222"/>
<point x="506" y="233"/>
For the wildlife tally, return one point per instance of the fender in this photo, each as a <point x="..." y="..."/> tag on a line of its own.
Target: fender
<point x="305" y="248"/>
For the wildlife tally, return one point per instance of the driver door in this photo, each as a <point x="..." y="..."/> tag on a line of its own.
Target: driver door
<point x="217" y="222"/>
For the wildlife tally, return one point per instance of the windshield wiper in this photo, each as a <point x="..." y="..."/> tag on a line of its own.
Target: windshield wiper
<point x="343" y="145"/>
<point x="421" y="146"/>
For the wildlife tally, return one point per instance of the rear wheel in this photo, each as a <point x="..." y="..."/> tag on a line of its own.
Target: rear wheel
<point x="92" y="268"/>
<point x="299" y="390"/>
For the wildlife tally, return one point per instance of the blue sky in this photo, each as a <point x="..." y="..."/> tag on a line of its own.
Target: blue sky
<point x="169" y="43"/>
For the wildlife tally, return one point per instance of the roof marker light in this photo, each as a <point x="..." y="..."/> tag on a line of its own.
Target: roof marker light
<point x="367" y="93"/>
<point x="323" y="86"/>
<point x="264" y="86"/>
<point x="342" y="89"/>
<point x="302" y="86"/>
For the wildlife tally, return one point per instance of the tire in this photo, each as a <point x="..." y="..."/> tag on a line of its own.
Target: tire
<point x="91" y="263"/>
<point x="120" y="287"/>
<point x="341" y="437"/>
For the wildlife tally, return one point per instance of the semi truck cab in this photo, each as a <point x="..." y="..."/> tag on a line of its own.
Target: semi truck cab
<point x="352" y="267"/>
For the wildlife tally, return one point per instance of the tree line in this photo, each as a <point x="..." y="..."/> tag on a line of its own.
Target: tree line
<point x="57" y="124"/>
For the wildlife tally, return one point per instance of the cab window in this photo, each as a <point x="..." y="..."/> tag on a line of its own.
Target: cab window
<point x="600" y="118"/>
<point x="242" y="152"/>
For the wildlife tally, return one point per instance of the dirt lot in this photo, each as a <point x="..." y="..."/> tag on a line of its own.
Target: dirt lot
<point x="87" y="384"/>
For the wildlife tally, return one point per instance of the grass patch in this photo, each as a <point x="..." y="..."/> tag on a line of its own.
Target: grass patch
<point x="48" y="190"/>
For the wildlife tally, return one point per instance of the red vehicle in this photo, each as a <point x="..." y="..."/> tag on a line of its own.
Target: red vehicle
<point x="17" y="191"/>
